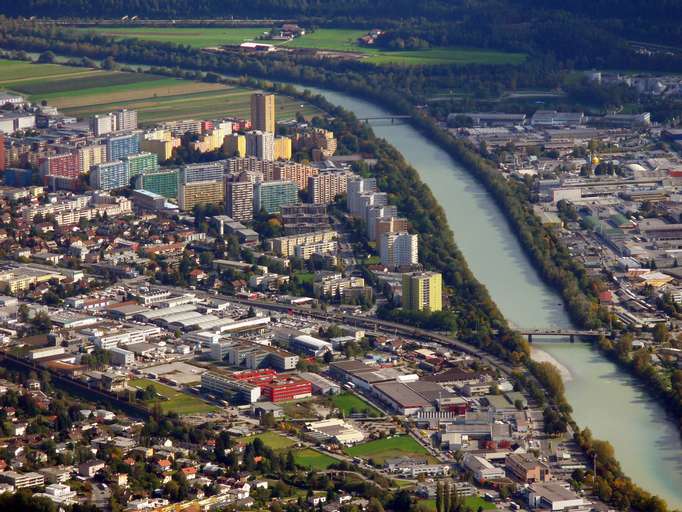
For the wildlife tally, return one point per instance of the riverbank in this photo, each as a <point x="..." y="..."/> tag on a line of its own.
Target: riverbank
<point x="540" y="356"/>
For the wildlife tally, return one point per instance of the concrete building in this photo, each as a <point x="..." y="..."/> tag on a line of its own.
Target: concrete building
<point x="208" y="171"/>
<point x="163" y="149"/>
<point x="234" y="144"/>
<point x="285" y="246"/>
<point x="526" y="468"/>
<point x="141" y="163"/>
<point x="387" y="225"/>
<point x="554" y="496"/>
<point x="120" y="146"/>
<point x="481" y="468"/>
<point x="309" y="345"/>
<point x="263" y="112"/>
<point x="292" y="171"/>
<point x="260" y="144"/>
<point x="304" y="218"/>
<point x="163" y="182"/>
<point x="337" y="430"/>
<point x="326" y="186"/>
<point x="22" y="480"/>
<point x="102" y="124"/>
<point x="125" y="120"/>
<point x="121" y="357"/>
<point x="423" y="291"/>
<point x="225" y="385"/>
<point x="239" y="200"/>
<point x="331" y="285"/>
<point x="110" y="175"/>
<point x="90" y="155"/>
<point x="271" y="195"/>
<point x="323" y="248"/>
<point x="200" y="192"/>
<point x="356" y="188"/>
<point x="282" y="148"/>
<point x="399" y="249"/>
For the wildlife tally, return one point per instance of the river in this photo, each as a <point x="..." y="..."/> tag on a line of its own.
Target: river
<point x="603" y="398"/>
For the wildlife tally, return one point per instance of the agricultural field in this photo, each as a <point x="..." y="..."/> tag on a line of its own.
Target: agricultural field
<point x="82" y="92"/>
<point x="312" y="459"/>
<point x="174" y="400"/>
<point x="331" y="39"/>
<point x="12" y="71"/>
<point x="386" y="448"/>
<point x="349" y="403"/>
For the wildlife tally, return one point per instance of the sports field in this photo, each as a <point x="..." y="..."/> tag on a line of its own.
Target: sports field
<point x="386" y="448"/>
<point x="349" y="403"/>
<point x="174" y="400"/>
<point x="332" y="39"/>
<point x="82" y="92"/>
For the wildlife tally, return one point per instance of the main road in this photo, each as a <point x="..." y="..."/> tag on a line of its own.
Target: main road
<point x="603" y="398"/>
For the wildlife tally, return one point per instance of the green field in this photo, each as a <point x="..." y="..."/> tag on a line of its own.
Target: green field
<point x="471" y="502"/>
<point x="174" y="400"/>
<point x="386" y="448"/>
<point x="82" y="92"/>
<point x="195" y="37"/>
<point x="272" y="440"/>
<point x="332" y="39"/>
<point x="306" y="457"/>
<point x="349" y="403"/>
<point x="312" y="459"/>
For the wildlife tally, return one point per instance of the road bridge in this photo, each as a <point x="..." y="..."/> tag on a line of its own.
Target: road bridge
<point x="392" y="118"/>
<point x="571" y="334"/>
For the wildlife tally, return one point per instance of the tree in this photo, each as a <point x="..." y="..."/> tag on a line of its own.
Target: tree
<point x="661" y="333"/>
<point x="375" y="505"/>
<point x="47" y="57"/>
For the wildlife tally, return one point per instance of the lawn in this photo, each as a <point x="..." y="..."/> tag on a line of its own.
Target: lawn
<point x="174" y="400"/>
<point x="272" y="440"/>
<point x="349" y="403"/>
<point x="312" y="459"/>
<point x="471" y="502"/>
<point x="304" y="277"/>
<point x="306" y="457"/>
<point x="332" y="39"/>
<point x="195" y="37"/>
<point x="386" y="448"/>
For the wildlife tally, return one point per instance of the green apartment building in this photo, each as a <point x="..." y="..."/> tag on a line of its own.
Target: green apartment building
<point x="141" y="163"/>
<point x="271" y="195"/>
<point x="161" y="181"/>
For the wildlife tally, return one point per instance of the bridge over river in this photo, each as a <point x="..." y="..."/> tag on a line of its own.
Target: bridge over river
<point x="563" y="333"/>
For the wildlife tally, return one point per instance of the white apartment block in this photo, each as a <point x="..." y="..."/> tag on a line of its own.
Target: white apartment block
<point x="399" y="249"/>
